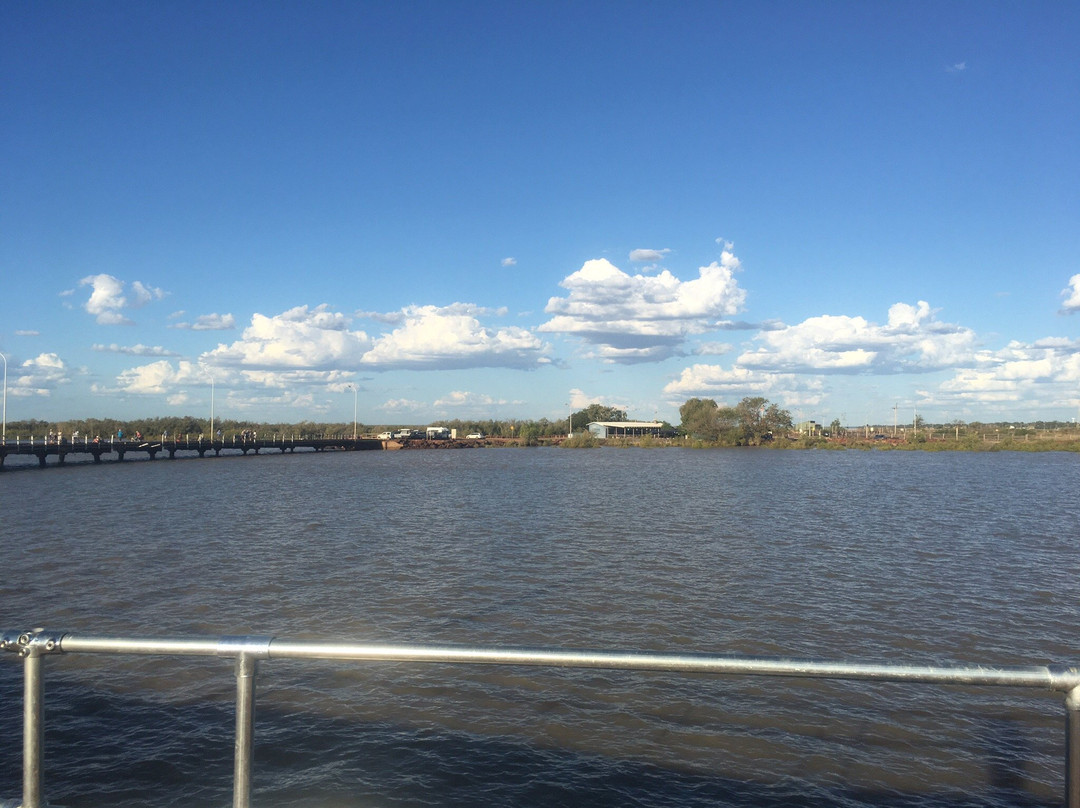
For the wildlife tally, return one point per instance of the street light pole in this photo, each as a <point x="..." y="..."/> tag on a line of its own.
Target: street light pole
<point x="207" y="372"/>
<point x="5" y="397"/>
<point x="354" y="395"/>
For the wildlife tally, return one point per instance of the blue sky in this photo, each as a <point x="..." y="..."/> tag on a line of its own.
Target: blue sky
<point x="506" y="209"/>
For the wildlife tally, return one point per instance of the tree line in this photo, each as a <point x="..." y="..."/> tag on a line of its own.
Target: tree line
<point x="750" y="422"/>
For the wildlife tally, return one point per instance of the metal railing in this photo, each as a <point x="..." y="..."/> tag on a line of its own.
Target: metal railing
<point x="34" y="645"/>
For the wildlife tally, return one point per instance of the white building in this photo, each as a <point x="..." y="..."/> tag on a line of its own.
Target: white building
<point x="624" y="429"/>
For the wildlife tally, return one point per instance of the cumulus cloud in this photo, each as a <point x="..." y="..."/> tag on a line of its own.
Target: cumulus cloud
<point x="209" y="322"/>
<point x="579" y="400"/>
<point x="713" y="349"/>
<point x="39" y="376"/>
<point x="143" y="294"/>
<point x="1047" y="370"/>
<point x="648" y="256"/>
<point x="788" y="362"/>
<point x="1071" y="293"/>
<point x="335" y="380"/>
<point x="733" y="384"/>
<point x="452" y="337"/>
<point x="459" y="399"/>
<point x="912" y="340"/>
<point x="385" y="317"/>
<point x="287" y="386"/>
<point x="160" y="377"/>
<point x="302" y="337"/>
<point x="400" y="405"/>
<point x="509" y="261"/>
<point x="634" y="318"/>
<point x="730" y="385"/>
<point x="108" y="298"/>
<point x="426" y="338"/>
<point x="134" y="350"/>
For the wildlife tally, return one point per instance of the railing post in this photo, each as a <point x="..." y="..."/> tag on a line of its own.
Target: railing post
<point x="1072" y="748"/>
<point x="246" y="669"/>
<point x="247" y="651"/>
<point x="33" y="729"/>
<point x="32" y="646"/>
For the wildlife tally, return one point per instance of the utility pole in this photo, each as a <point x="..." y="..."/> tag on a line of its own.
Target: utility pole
<point x="894" y="422"/>
<point x="5" y="396"/>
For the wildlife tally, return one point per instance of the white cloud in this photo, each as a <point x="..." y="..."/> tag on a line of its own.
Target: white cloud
<point x="713" y="348"/>
<point x="387" y="317"/>
<point x="509" y="261"/>
<point x="335" y="380"/>
<point x="400" y="405"/>
<point x="733" y="384"/>
<point x="452" y="337"/>
<point x="209" y="322"/>
<point x="39" y="376"/>
<point x="108" y="300"/>
<point x="958" y="67"/>
<point x="298" y="338"/>
<point x="427" y="338"/>
<point x="27" y="333"/>
<point x="1047" y="371"/>
<point x="236" y="389"/>
<point x="1071" y="293"/>
<point x="912" y="340"/>
<point x="579" y="400"/>
<point x="635" y="318"/>
<point x="648" y="256"/>
<point x="160" y="377"/>
<point x="144" y="294"/>
<point x="462" y="399"/>
<point x="134" y="350"/>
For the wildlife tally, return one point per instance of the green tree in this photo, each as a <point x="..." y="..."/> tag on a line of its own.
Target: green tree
<point x="597" y="412"/>
<point x="700" y="418"/>
<point x="530" y="432"/>
<point x="759" y="420"/>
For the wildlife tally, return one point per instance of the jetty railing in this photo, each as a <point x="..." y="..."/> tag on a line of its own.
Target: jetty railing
<point x="246" y="651"/>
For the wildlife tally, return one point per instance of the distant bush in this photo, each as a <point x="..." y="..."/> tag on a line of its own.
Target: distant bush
<point x="581" y="440"/>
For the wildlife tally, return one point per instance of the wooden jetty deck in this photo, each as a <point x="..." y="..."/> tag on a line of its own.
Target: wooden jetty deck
<point x="117" y="448"/>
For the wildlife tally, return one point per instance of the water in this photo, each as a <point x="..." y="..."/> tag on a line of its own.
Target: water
<point x="871" y="556"/>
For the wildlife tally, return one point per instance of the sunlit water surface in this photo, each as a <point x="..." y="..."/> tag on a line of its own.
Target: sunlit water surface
<point x="871" y="556"/>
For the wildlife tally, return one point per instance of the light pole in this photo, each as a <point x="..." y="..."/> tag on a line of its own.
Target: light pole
<point x="5" y="397"/>
<point x="354" y="394"/>
<point x="207" y="372"/>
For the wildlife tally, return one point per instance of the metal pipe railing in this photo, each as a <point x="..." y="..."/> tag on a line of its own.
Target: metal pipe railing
<point x="247" y="651"/>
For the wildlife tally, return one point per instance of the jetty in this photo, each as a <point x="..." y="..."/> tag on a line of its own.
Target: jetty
<point x="116" y="448"/>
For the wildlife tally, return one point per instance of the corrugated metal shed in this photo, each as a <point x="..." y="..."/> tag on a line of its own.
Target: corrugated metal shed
<point x="624" y="429"/>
